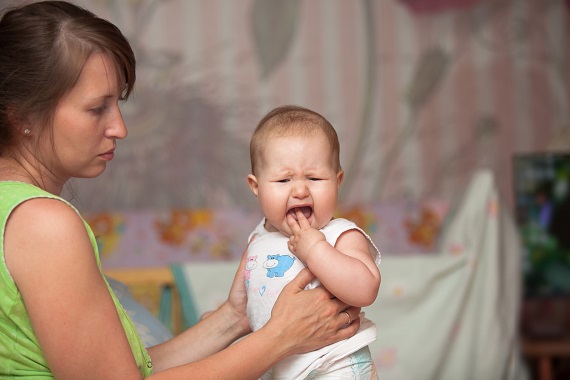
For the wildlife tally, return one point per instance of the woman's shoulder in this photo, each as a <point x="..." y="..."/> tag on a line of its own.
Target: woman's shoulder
<point x="37" y="212"/>
<point x="46" y="213"/>
<point x="41" y="228"/>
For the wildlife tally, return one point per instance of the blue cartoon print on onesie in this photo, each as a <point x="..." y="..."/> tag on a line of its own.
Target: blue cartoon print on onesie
<point x="277" y="265"/>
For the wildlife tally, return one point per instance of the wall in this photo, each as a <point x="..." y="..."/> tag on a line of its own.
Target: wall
<point x="420" y="96"/>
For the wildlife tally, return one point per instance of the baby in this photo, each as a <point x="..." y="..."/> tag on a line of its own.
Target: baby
<point x="296" y="175"/>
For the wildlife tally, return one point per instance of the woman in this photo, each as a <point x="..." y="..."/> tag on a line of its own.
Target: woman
<point x="63" y="72"/>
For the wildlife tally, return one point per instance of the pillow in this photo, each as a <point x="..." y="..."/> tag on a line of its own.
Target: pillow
<point x="151" y="330"/>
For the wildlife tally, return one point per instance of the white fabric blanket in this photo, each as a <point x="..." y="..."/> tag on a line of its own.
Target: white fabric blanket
<point x="453" y="315"/>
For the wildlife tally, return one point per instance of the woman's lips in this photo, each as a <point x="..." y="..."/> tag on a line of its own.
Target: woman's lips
<point x="107" y="156"/>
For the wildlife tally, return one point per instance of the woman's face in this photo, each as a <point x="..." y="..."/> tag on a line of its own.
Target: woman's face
<point x="87" y="123"/>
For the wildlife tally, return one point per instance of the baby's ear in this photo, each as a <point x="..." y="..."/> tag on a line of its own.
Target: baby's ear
<point x="339" y="178"/>
<point x="253" y="185"/>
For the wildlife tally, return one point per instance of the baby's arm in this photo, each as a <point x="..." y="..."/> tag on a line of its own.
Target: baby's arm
<point x="347" y="270"/>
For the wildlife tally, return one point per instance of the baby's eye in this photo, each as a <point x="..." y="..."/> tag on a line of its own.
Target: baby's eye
<point x="314" y="179"/>
<point x="283" y="180"/>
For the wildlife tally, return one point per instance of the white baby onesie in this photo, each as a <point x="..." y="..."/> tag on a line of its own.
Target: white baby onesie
<point x="269" y="267"/>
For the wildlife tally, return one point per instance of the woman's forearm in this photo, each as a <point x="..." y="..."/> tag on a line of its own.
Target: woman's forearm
<point x="249" y="358"/>
<point x="301" y="321"/>
<point x="212" y="334"/>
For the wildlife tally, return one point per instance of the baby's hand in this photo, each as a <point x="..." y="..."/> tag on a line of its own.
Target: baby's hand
<point x="303" y="236"/>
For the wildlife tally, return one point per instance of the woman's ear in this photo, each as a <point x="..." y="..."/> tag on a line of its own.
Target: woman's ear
<point x="253" y="185"/>
<point x="21" y="124"/>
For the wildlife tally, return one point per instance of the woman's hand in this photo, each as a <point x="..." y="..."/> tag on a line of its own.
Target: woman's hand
<point x="311" y="319"/>
<point x="237" y="298"/>
<point x="216" y="330"/>
<point x="301" y="321"/>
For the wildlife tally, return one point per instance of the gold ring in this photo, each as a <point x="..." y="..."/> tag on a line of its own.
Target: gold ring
<point x="349" y="319"/>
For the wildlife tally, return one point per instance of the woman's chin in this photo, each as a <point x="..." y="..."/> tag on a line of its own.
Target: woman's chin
<point x="92" y="173"/>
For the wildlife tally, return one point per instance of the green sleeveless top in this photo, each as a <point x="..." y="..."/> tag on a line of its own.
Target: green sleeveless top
<point x="20" y="353"/>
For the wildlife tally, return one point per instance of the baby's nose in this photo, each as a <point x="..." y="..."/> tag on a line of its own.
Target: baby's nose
<point x="300" y="190"/>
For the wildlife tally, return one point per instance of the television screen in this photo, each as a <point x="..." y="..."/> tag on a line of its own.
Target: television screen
<point x="542" y="211"/>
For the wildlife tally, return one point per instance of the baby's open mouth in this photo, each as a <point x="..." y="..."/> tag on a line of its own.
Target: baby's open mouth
<point x="306" y="210"/>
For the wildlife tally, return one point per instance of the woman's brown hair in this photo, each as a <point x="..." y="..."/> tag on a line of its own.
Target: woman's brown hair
<point x="43" y="48"/>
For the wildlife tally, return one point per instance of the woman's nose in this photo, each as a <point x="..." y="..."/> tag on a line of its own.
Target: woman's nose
<point x="117" y="127"/>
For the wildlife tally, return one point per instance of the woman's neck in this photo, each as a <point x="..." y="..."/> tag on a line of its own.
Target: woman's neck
<point x="13" y="169"/>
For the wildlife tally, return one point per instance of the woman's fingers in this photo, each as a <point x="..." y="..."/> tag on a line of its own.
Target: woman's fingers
<point x="346" y="331"/>
<point x="303" y="278"/>
<point x="237" y="297"/>
<point x="312" y="318"/>
<point x="349" y="316"/>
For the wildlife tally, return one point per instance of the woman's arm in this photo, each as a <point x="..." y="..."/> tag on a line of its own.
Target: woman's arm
<point x="50" y="258"/>
<point x="341" y="268"/>
<point x="210" y="335"/>
<point x="301" y="321"/>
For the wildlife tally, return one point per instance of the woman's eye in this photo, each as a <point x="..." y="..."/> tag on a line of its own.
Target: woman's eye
<point x="99" y="110"/>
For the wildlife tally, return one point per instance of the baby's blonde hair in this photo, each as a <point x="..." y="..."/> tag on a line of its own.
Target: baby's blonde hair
<point x="291" y="120"/>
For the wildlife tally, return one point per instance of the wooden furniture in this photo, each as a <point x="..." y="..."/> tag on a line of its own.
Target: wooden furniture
<point x="148" y="285"/>
<point x="544" y="351"/>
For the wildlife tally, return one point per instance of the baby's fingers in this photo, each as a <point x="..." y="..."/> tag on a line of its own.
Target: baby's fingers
<point x="303" y="221"/>
<point x="292" y="222"/>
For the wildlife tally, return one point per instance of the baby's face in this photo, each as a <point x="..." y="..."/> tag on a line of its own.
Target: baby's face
<point x="297" y="172"/>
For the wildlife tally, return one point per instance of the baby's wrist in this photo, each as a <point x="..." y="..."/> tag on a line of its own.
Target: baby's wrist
<point x="313" y="249"/>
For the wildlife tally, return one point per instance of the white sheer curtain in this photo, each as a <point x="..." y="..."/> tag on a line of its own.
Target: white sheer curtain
<point x="420" y="101"/>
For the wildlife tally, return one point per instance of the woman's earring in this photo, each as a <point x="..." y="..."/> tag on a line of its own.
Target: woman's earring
<point x="27" y="132"/>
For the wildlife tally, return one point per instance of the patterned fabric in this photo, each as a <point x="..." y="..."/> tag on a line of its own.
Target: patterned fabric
<point x="20" y="353"/>
<point x="160" y="237"/>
